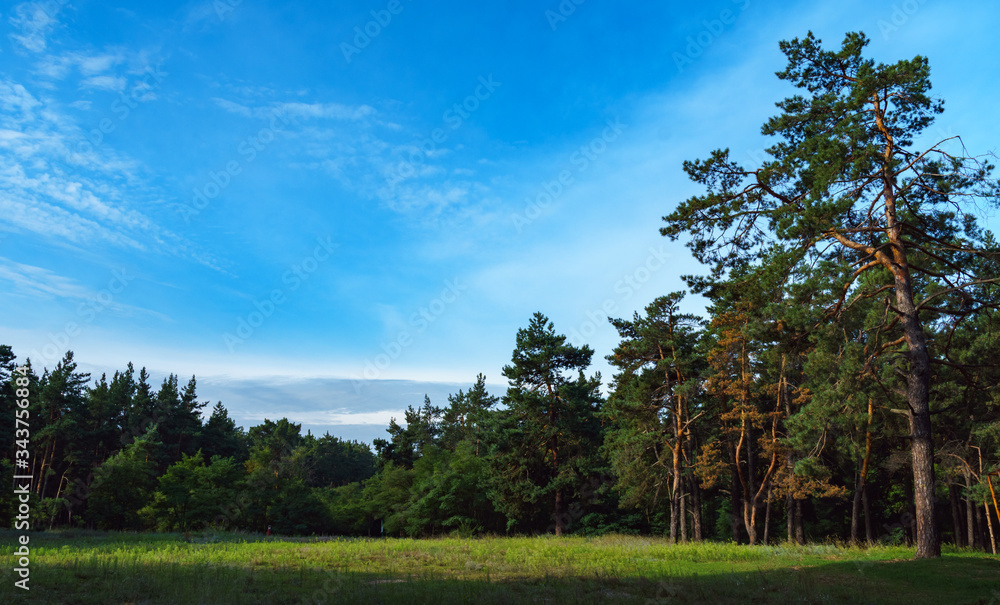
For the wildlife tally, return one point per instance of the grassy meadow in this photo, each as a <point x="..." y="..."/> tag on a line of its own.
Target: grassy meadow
<point x="80" y="567"/>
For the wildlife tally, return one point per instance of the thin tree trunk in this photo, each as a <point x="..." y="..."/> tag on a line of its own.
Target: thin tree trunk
<point x="790" y="461"/>
<point x="800" y="532"/>
<point x="869" y="524"/>
<point x="676" y="491"/>
<point x="560" y="507"/>
<point x="956" y="515"/>
<point x="765" y="483"/>
<point x="40" y="477"/>
<point x="45" y="468"/>
<point x="996" y="508"/>
<point x="699" y="535"/>
<point x="767" y="519"/>
<point x="749" y="501"/>
<point x="790" y="517"/>
<point x="735" y="496"/>
<point x="970" y="512"/>
<point x="989" y="523"/>
<point x="856" y="509"/>
<point x="559" y="512"/>
<point x="981" y="535"/>
<point x="862" y="475"/>
<point x="684" y="516"/>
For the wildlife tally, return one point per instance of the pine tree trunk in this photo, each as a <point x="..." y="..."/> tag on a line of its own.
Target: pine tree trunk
<point x="918" y="398"/>
<point x="869" y="525"/>
<point x="970" y="512"/>
<point x="956" y="515"/>
<point x="918" y="373"/>
<point x="736" y="502"/>
<point x="863" y="475"/>
<point x="558" y="512"/>
<point x="699" y="534"/>
<point x="800" y="532"/>
<point x="749" y="502"/>
<point x="560" y="507"/>
<point x="856" y="510"/>
<point x="45" y="468"/>
<point x="981" y="537"/>
<point x="790" y="517"/>
<point x="684" y="517"/>
<point x="790" y="458"/>
<point x="767" y="519"/>
<point x="676" y="512"/>
<point x="996" y="509"/>
<point x="673" y="520"/>
<point x="748" y="520"/>
<point x="989" y="523"/>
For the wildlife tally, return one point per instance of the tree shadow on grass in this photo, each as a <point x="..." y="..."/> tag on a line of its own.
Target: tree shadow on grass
<point x="951" y="579"/>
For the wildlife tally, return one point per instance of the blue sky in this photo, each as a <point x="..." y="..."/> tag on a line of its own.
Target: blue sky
<point x="325" y="210"/>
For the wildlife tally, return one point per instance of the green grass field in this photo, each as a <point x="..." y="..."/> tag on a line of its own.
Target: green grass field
<point x="90" y="567"/>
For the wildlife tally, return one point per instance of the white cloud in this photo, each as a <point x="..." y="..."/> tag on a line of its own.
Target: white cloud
<point x="14" y="97"/>
<point x="57" y="183"/>
<point x="110" y="83"/>
<point x="97" y="64"/>
<point x="334" y="111"/>
<point x="35" y="21"/>
<point x="231" y="107"/>
<point x="38" y="282"/>
<point x="295" y="109"/>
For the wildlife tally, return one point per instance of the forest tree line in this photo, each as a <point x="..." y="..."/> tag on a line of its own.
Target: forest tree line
<point x="717" y="429"/>
<point x="842" y="384"/>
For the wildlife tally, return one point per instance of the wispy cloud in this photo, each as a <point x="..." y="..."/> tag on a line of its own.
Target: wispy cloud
<point x="97" y="64"/>
<point x="231" y="107"/>
<point x="35" y="282"/>
<point x="17" y="101"/>
<point x="296" y="109"/>
<point x="334" y="111"/>
<point x="108" y="69"/>
<point x="110" y="83"/>
<point x="54" y="182"/>
<point x="34" y="21"/>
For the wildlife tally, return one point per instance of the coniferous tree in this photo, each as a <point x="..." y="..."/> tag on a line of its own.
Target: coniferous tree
<point x="463" y="419"/>
<point x="221" y="437"/>
<point x="844" y="175"/>
<point x="650" y="411"/>
<point x="124" y="484"/>
<point x="9" y="413"/>
<point x="406" y="443"/>
<point x="59" y="409"/>
<point x="544" y="442"/>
